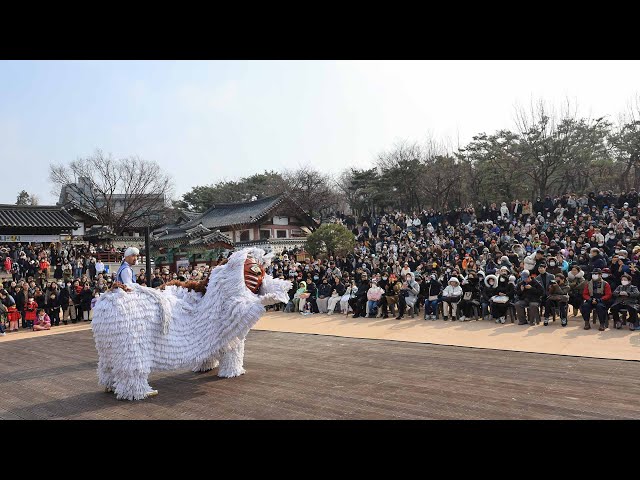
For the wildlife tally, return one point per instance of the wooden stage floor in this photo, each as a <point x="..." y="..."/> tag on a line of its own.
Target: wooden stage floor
<point x="305" y="376"/>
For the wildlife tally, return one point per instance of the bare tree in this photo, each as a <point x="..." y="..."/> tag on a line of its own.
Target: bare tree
<point x="120" y="192"/>
<point x="313" y="190"/>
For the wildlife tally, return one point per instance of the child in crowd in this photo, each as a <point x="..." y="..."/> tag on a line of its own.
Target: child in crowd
<point x="30" y="312"/>
<point x="42" y="321"/>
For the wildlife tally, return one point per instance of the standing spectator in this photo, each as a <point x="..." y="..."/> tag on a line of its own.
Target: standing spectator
<point x="30" y="312"/>
<point x="79" y="263"/>
<point x="44" y="268"/>
<point x="53" y="304"/>
<point x="99" y="267"/>
<point x="66" y="304"/>
<point x="86" y="295"/>
<point x="22" y="298"/>
<point x="67" y="270"/>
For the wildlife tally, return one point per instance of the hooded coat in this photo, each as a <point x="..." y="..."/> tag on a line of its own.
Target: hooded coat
<point x="413" y="291"/>
<point x="489" y="291"/>
<point x="453" y="291"/>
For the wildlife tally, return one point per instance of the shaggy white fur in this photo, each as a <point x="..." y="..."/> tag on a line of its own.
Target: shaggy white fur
<point x="148" y="330"/>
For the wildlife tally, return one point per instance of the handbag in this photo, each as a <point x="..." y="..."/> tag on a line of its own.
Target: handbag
<point x="453" y="299"/>
<point x="500" y="299"/>
<point x="392" y="299"/>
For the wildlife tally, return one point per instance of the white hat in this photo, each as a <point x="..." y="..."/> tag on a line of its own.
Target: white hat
<point x="131" y="251"/>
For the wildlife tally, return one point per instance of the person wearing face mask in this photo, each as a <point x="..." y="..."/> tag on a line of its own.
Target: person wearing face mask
<point x="470" y="302"/>
<point x="596" y="260"/>
<point x="391" y="296"/>
<point x="430" y="290"/>
<point x="359" y="302"/>
<point x="451" y="297"/>
<point x="374" y="294"/>
<point x="337" y="291"/>
<point x="529" y="294"/>
<point x="626" y="298"/>
<point x="596" y="295"/>
<point x="557" y="299"/>
<point x="503" y="297"/>
<point x="408" y="295"/>
<point x="324" y="292"/>
<point x="312" y="290"/>
<point x="553" y="268"/>
<point x="611" y="279"/>
<point x="545" y="279"/>
<point x="576" y="282"/>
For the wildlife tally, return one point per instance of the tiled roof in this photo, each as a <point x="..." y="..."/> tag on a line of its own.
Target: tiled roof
<point x="227" y="214"/>
<point x="73" y="205"/>
<point x="41" y="216"/>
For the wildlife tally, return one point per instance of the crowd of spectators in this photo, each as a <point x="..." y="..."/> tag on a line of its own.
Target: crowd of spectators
<point x="527" y="261"/>
<point x="46" y="285"/>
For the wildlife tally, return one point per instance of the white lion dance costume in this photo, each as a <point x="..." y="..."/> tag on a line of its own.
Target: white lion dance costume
<point x="147" y="330"/>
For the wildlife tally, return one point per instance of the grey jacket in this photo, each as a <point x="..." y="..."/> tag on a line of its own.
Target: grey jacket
<point x="631" y="299"/>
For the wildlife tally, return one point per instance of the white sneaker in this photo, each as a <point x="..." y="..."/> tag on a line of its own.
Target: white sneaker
<point x="497" y="320"/>
<point x="503" y="319"/>
<point x="3" y="334"/>
<point x="462" y="318"/>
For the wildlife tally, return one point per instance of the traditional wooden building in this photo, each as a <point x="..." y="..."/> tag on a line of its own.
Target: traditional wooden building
<point x="35" y="224"/>
<point x="273" y="222"/>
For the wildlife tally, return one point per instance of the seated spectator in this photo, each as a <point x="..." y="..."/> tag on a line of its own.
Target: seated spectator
<point x="557" y="299"/>
<point x="324" y="292"/>
<point x="408" y="297"/>
<point x="596" y="295"/>
<point x="374" y="294"/>
<point x="42" y="321"/>
<point x="503" y="298"/>
<point x="529" y="296"/>
<point x="349" y="293"/>
<point x="337" y="292"/>
<point x="300" y="297"/>
<point x="451" y="296"/>
<point x="626" y="297"/>
<point x="470" y="296"/>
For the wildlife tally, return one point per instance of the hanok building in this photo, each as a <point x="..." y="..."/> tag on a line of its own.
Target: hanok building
<point x="273" y="223"/>
<point x="35" y="224"/>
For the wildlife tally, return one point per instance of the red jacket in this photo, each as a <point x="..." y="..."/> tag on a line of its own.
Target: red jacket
<point x="607" y="292"/>
<point x="7" y="264"/>
<point x="30" y="310"/>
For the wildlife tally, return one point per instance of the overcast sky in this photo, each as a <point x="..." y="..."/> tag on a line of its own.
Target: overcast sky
<point x="212" y="120"/>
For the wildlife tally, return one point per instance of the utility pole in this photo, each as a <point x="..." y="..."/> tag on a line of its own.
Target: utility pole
<point x="147" y="255"/>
